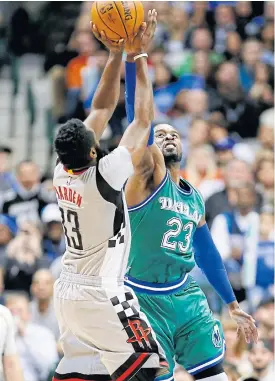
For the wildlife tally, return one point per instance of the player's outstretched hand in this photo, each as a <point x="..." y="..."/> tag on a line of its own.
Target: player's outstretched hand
<point x="141" y="41"/>
<point x="112" y="46"/>
<point x="246" y="325"/>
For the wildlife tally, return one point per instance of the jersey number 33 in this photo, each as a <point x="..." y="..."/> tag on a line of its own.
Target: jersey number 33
<point x="71" y="228"/>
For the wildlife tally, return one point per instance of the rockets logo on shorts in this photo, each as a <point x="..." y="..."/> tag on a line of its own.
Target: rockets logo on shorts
<point x="140" y="335"/>
<point x="138" y="332"/>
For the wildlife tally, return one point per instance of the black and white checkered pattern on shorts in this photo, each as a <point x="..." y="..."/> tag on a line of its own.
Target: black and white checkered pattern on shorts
<point x="122" y="306"/>
<point x="117" y="240"/>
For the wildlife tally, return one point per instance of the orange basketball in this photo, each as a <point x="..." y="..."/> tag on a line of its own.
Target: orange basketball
<point x="118" y="19"/>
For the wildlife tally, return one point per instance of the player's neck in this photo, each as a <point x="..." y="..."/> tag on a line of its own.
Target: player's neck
<point x="174" y="169"/>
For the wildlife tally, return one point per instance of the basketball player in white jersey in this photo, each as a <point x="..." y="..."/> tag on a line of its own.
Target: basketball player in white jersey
<point x="102" y="329"/>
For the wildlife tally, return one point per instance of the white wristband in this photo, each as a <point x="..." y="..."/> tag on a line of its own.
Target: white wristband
<point x="140" y="55"/>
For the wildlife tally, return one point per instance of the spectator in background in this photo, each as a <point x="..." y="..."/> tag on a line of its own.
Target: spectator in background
<point x="189" y="105"/>
<point x="233" y="46"/>
<point x="23" y="258"/>
<point x="229" y="99"/>
<point x="199" y="14"/>
<point x="6" y="178"/>
<point x="264" y="316"/>
<point x="267" y="36"/>
<point x="53" y="240"/>
<point x="87" y="47"/>
<point x="266" y="130"/>
<point x="224" y="151"/>
<point x="36" y="345"/>
<point x="235" y="234"/>
<point x="243" y="10"/>
<point x="165" y="88"/>
<point x="264" y="285"/>
<point x="202" y="172"/>
<point x="42" y="310"/>
<point x="26" y="199"/>
<point x="218" y="128"/>
<point x="251" y="54"/>
<point x="261" y="91"/>
<point x="265" y="178"/>
<point x="8" y="230"/>
<point x="177" y="26"/>
<point x="261" y="357"/>
<point x="236" y="172"/>
<point x="198" y="134"/>
<point x="10" y="367"/>
<point x="201" y="40"/>
<point x="203" y="67"/>
<point x="225" y="23"/>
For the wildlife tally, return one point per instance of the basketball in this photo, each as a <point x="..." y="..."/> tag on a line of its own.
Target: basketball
<point x="118" y="19"/>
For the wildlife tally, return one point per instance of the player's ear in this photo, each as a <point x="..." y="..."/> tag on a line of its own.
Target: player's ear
<point x="93" y="153"/>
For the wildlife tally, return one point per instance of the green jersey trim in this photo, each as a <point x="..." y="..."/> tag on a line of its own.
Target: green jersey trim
<point x="149" y="198"/>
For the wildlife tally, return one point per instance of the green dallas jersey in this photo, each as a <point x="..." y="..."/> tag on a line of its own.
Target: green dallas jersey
<point x="162" y="232"/>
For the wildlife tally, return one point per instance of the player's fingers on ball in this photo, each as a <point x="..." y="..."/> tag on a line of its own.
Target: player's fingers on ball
<point x="103" y="36"/>
<point x="95" y="31"/>
<point x="141" y="29"/>
<point x="121" y="43"/>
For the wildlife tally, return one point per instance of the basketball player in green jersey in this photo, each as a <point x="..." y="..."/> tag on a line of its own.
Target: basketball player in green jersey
<point x="169" y="235"/>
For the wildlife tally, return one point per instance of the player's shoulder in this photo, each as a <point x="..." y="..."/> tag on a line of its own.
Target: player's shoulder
<point x="194" y="191"/>
<point x="118" y="157"/>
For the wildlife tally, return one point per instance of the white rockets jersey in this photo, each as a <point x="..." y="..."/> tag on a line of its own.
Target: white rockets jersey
<point x="95" y="217"/>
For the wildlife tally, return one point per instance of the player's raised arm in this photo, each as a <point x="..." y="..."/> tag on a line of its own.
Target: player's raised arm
<point x="135" y="137"/>
<point x="107" y="93"/>
<point x="118" y="166"/>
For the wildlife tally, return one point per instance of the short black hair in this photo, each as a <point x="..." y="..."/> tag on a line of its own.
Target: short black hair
<point x="73" y="144"/>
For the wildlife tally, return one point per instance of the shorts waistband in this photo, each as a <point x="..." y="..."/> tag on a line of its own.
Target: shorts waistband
<point x="157" y="288"/>
<point x="90" y="280"/>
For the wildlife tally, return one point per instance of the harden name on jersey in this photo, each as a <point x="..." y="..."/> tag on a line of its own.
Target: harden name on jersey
<point x="69" y="195"/>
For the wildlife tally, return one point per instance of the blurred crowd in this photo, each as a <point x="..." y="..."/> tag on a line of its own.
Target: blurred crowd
<point x="212" y="66"/>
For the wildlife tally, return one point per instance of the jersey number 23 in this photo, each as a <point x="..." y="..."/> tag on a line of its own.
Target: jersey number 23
<point x="169" y="239"/>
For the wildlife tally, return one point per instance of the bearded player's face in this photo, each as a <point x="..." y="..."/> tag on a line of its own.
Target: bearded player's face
<point x="168" y="141"/>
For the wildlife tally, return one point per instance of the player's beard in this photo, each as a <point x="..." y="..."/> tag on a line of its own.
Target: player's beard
<point x="172" y="159"/>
